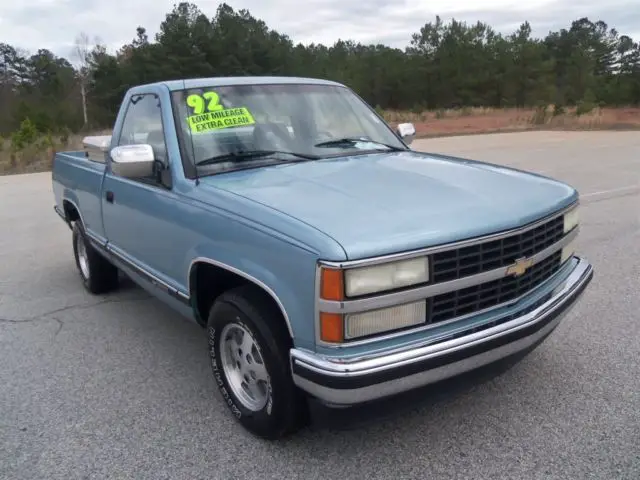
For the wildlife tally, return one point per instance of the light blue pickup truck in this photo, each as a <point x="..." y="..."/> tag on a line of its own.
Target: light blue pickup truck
<point x="322" y="255"/>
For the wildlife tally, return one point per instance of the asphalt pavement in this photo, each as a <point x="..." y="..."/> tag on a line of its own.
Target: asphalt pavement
<point x="120" y="386"/>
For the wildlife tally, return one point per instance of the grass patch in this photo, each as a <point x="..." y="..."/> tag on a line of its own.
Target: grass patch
<point x="490" y="120"/>
<point x="35" y="154"/>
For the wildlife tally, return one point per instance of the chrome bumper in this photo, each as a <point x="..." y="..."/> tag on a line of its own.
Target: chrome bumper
<point x="340" y="381"/>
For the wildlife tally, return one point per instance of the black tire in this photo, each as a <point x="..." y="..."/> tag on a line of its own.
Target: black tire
<point x="101" y="276"/>
<point x="286" y="409"/>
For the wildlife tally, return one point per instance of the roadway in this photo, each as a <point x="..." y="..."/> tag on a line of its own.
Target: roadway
<point x="121" y="387"/>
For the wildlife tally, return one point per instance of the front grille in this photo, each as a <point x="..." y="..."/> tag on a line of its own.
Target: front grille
<point x="499" y="321"/>
<point x="486" y="295"/>
<point x="465" y="261"/>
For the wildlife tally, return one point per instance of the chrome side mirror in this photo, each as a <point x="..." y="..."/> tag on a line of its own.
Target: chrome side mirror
<point x="132" y="161"/>
<point x="407" y="132"/>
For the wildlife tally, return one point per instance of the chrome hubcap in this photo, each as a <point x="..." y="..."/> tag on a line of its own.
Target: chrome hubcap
<point x="83" y="260"/>
<point x="243" y="367"/>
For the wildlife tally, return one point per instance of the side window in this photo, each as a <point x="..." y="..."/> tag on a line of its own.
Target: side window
<point x="143" y="124"/>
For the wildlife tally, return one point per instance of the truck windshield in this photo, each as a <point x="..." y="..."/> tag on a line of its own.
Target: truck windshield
<point x="238" y="126"/>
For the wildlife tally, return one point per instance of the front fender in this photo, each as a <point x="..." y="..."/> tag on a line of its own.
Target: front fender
<point x="285" y="271"/>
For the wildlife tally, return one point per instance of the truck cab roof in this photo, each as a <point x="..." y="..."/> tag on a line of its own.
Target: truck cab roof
<point x="173" y="85"/>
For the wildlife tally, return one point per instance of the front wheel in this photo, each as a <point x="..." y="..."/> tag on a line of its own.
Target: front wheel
<point x="249" y="348"/>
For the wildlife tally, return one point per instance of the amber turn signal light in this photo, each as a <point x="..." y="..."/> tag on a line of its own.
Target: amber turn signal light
<point x="331" y="284"/>
<point x="331" y="327"/>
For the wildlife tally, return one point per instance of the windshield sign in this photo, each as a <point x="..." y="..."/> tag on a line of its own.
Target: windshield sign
<point x="230" y="117"/>
<point x="239" y="126"/>
<point x="209" y="115"/>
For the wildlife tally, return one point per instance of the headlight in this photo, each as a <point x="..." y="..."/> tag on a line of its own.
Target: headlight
<point x="388" y="276"/>
<point x="571" y="219"/>
<point x="336" y="283"/>
<point x="384" y="320"/>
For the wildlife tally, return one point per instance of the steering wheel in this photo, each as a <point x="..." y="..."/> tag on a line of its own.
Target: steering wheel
<point x="271" y="136"/>
<point x="322" y="135"/>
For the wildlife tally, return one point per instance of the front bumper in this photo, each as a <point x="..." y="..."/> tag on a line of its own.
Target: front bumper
<point x="340" y="381"/>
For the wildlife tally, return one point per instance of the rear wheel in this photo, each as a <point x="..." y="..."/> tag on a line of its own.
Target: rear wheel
<point x="97" y="273"/>
<point x="249" y="349"/>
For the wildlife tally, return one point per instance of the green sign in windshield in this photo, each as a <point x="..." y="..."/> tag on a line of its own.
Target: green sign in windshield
<point x="228" y="117"/>
<point x="216" y="116"/>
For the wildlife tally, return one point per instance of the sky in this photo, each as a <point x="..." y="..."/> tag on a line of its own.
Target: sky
<point x="54" y="24"/>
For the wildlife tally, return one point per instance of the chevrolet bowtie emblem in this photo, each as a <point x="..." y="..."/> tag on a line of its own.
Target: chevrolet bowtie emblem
<point x="519" y="267"/>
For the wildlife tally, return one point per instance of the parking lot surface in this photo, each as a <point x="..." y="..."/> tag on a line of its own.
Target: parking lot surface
<point x="120" y="386"/>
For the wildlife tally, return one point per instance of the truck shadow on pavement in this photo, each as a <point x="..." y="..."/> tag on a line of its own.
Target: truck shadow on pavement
<point x="398" y="407"/>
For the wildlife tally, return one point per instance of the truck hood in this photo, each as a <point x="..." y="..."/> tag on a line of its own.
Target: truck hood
<point x="376" y="204"/>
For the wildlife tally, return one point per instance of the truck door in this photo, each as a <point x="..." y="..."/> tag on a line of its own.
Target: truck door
<point x="136" y="212"/>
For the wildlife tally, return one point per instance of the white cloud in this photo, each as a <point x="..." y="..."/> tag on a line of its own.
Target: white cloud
<point x="53" y="24"/>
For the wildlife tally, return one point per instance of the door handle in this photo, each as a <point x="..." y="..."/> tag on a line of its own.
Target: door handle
<point x="109" y="196"/>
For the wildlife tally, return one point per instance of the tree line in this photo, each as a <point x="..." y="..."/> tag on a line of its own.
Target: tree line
<point x="445" y="65"/>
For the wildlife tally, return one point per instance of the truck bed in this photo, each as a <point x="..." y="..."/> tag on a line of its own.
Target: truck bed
<point x="78" y="180"/>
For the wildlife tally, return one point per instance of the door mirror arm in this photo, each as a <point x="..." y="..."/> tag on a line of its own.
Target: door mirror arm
<point x="162" y="174"/>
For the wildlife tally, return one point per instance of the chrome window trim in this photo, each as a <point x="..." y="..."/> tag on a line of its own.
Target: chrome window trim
<point x="427" y="291"/>
<point x="449" y="246"/>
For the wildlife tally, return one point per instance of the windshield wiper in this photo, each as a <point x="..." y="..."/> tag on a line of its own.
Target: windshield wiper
<point x="243" y="155"/>
<point x="336" y="142"/>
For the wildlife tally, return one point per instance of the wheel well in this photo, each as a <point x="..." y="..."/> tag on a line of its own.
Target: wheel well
<point x="70" y="211"/>
<point x="207" y="282"/>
